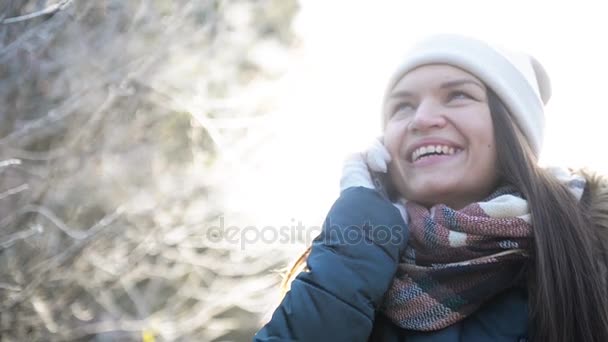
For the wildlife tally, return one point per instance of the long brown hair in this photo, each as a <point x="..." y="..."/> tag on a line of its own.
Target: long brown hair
<point x="567" y="290"/>
<point x="566" y="277"/>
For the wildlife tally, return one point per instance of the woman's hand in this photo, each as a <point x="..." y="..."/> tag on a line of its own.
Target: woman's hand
<point x="368" y="169"/>
<point x="357" y="166"/>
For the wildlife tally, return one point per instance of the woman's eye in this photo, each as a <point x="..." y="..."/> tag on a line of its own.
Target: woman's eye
<point x="459" y="95"/>
<point x="404" y="108"/>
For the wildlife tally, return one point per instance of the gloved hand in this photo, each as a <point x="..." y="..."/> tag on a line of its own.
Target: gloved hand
<point x="356" y="167"/>
<point x="358" y="170"/>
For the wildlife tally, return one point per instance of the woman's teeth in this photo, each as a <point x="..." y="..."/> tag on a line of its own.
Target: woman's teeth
<point x="432" y="149"/>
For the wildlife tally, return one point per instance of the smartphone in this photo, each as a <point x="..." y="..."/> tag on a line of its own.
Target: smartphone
<point x="382" y="183"/>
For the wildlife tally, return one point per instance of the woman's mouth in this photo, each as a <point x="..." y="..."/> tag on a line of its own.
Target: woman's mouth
<point x="428" y="151"/>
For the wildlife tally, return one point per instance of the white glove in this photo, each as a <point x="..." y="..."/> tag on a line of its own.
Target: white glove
<point x="355" y="170"/>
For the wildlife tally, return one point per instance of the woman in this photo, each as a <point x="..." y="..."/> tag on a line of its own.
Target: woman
<point x="495" y="248"/>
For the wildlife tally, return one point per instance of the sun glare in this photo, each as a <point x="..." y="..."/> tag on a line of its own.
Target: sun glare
<point x="331" y="95"/>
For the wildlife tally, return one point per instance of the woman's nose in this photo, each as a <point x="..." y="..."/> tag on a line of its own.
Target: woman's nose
<point x="429" y="115"/>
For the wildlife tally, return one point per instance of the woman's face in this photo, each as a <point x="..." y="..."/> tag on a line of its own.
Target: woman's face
<point x="440" y="137"/>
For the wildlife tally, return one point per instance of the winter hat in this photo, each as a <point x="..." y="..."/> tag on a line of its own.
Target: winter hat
<point x="519" y="80"/>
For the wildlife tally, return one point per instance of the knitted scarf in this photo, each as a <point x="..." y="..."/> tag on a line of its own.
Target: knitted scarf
<point x="456" y="260"/>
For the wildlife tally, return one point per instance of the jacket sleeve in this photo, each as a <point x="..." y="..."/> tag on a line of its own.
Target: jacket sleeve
<point x="351" y="265"/>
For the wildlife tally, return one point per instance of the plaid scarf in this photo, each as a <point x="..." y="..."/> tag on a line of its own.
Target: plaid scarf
<point x="457" y="260"/>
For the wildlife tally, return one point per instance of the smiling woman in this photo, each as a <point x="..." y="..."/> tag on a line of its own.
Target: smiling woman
<point x="474" y="240"/>
<point x="435" y="108"/>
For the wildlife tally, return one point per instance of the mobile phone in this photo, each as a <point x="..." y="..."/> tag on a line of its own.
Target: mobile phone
<point x="382" y="183"/>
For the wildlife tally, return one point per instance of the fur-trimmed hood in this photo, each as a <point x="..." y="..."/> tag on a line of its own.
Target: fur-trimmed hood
<point x="597" y="189"/>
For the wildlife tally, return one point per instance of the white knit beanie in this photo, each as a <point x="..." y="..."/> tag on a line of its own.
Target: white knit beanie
<point x="520" y="81"/>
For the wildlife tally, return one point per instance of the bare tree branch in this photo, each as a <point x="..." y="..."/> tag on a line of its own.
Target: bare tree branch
<point x="11" y="239"/>
<point x="46" y="11"/>
<point x="14" y="191"/>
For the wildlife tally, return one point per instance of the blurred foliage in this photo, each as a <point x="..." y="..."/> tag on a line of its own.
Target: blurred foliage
<point x="115" y="117"/>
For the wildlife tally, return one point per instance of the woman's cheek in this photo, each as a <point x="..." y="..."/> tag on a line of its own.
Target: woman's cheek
<point x="391" y="139"/>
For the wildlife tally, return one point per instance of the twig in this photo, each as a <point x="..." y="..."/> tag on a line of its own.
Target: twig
<point x="49" y="10"/>
<point x="14" y="190"/>
<point x="68" y="107"/>
<point x="44" y="312"/>
<point x="35" y="155"/>
<point x="10" y="287"/>
<point x="49" y="215"/>
<point x="73" y="249"/>
<point x="11" y="239"/>
<point x="45" y="266"/>
<point x="9" y="162"/>
<point x="108" y="326"/>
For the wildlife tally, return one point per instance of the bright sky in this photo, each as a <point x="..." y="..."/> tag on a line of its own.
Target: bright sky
<point x="330" y="98"/>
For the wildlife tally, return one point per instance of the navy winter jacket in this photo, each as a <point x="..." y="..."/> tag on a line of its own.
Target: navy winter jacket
<point x="351" y="266"/>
